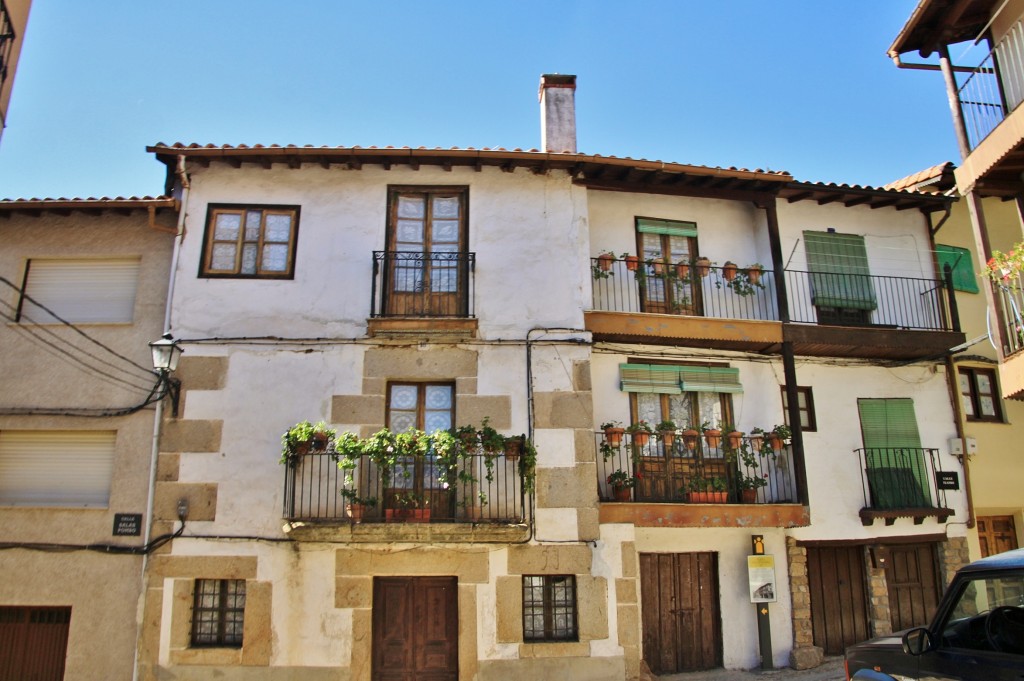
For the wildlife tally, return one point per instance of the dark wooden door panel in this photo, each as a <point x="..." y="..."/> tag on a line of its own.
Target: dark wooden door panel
<point x="33" y="643"/>
<point x="997" y="533"/>
<point x="415" y="629"/>
<point x="912" y="578"/>
<point x="839" y="613"/>
<point x="681" y="620"/>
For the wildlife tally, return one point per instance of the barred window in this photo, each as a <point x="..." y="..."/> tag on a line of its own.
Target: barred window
<point x="549" y="608"/>
<point x="218" y="613"/>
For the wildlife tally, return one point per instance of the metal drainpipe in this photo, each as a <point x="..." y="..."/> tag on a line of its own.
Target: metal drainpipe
<point x="158" y="416"/>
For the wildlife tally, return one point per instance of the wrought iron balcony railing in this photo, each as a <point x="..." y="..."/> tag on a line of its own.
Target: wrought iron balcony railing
<point x="625" y="285"/>
<point x="687" y="289"/>
<point x="417" y="284"/>
<point x="995" y="87"/>
<point x="663" y="468"/>
<point x="870" y="300"/>
<point x="481" y="488"/>
<point x="901" y="478"/>
<point x="1011" y="296"/>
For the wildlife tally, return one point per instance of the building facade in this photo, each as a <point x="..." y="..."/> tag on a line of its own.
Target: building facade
<point x="555" y="296"/>
<point x="84" y="283"/>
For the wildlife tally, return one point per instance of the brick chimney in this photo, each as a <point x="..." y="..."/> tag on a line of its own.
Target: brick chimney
<point x="558" y="113"/>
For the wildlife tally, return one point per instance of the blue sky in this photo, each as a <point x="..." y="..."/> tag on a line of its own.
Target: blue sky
<point x="797" y="85"/>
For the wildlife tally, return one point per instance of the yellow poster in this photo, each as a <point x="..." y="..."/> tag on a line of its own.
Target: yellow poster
<point x="761" y="578"/>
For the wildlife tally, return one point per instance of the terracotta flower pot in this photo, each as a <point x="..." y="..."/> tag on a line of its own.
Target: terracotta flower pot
<point x="735" y="439"/>
<point x="775" y="441"/>
<point x="690" y="438"/>
<point x="620" y="493"/>
<point x="748" y="496"/>
<point x="613" y="436"/>
<point x="703" y="266"/>
<point x="668" y="437"/>
<point x="729" y="270"/>
<point x="659" y="266"/>
<point x="707" y="497"/>
<point x="632" y="262"/>
<point x="714" y="437"/>
<point x="513" y="448"/>
<point x="641" y="438"/>
<point x="754" y="274"/>
<point x="683" y="270"/>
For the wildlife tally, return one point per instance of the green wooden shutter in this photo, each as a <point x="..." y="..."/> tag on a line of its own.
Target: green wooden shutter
<point x="839" y="271"/>
<point x="650" y="378"/>
<point x="897" y="475"/>
<point x="959" y="259"/>
<point x="670" y="227"/>
<point x="710" y="379"/>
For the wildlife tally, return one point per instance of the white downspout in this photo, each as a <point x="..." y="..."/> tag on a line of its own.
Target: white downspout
<point x="158" y="415"/>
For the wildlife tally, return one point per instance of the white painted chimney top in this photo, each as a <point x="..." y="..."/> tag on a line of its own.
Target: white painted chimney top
<point x="558" y="113"/>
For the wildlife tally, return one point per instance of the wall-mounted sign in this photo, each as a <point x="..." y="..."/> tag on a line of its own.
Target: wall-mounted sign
<point x="761" y="578"/>
<point x="127" y="524"/>
<point x="947" y="480"/>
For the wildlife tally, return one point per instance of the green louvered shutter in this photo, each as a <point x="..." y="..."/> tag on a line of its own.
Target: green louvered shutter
<point x="710" y="379"/>
<point x="839" y="271"/>
<point x="896" y="471"/>
<point x="670" y="227"/>
<point x="959" y="260"/>
<point x="650" y="378"/>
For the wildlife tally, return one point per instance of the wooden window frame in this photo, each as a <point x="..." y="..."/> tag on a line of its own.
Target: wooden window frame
<point x="421" y="397"/>
<point x="547" y="608"/>
<point x="213" y="210"/>
<point x="812" y="419"/>
<point x="975" y="396"/>
<point x="643" y="226"/>
<point x="221" y="613"/>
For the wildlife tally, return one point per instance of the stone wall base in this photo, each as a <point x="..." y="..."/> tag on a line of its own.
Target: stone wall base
<point x="807" y="657"/>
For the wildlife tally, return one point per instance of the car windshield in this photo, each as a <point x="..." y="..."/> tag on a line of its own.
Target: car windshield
<point x="988" y="615"/>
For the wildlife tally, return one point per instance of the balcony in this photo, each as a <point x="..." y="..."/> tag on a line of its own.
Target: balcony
<point x="989" y="97"/>
<point x="689" y="481"/>
<point x="831" y="314"/>
<point x="481" y="498"/>
<point x="1010" y="294"/>
<point x="416" y="292"/>
<point x="901" y="482"/>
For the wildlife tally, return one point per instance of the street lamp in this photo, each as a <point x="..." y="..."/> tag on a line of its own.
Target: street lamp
<point x="166" y="352"/>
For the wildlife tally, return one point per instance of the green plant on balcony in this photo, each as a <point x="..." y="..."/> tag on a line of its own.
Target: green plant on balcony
<point x="743" y="282"/>
<point x="304" y="437"/>
<point x="623" y="480"/>
<point x="602" y="268"/>
<point x="1004" y="269"/>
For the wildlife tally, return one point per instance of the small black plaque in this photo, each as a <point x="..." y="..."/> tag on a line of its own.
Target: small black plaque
<point x="947" y="480"/>
<point x="127" y="524"/>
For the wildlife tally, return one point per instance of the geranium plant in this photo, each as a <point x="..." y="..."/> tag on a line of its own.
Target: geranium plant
<point x="622" y="479"/>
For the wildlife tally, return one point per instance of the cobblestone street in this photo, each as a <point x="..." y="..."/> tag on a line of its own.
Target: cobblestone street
<point x="831" y="670"/>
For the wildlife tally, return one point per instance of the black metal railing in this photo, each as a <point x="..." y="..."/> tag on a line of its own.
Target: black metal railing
<point x="675" y="468"/>
<point x="626" y="285"/>
<point x="417" y="284"/>
<point x="994" y="87"/>
<point x="1010" y="291"/>
<point x="480" y="488"/>
<point x="901" y="477"/>
<point x="871" y="300"/>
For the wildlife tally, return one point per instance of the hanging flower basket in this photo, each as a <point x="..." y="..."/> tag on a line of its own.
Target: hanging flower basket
<point x="605" y="260"/>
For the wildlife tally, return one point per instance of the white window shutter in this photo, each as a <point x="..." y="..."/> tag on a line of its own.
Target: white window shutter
<point x="56" y="468"/>
<point x="81" y="291"/>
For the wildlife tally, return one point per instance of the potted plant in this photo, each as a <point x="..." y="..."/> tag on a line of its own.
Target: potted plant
<point x="468" y="436"/>
<point x="701" y="490"/>
<point x="778" y="437"/>
<point x="490" y="439"/>
<point x="658" y="265"/>
<point x="408" y="507"/>
<point x="712" y="435"/>
<point x="640" y="432"/>
<point x="605" y="260"/>
<point x="703" y="265"/>
<point x="303" y="437"/>
<point x="528" y="466"/>
<point x="729" y="270"/>
<point x="756" y="439"/>
<point x="754" y="273"/>
<point x="683" y="270"/>
<point x="621" y="482"/>
<point x="690" y="436"/>
<point x="632" y="262"/>
<point x="514" y="447"/>
<point x="613" y="432"/>
<point x="667" y="430"/>
<point x="734" y="438"/>
<point x="357" y="505"/>
<point x="748" y="485"/>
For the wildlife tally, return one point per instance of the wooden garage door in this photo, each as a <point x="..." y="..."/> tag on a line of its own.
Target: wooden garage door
<point x="839" y="609"/>
<point x="33" y="643"/>
<point x="415" y="629"/>
<point x="913" y="582"/>
<point x="681" y="620"/>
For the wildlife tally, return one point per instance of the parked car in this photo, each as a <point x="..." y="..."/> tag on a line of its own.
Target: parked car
<point x="977" y="631"/>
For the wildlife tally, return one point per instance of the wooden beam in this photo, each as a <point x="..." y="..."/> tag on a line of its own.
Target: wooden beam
<point x="829" y="198"/>
<point x="676" y="190"/>
<point x="857" y="201"/>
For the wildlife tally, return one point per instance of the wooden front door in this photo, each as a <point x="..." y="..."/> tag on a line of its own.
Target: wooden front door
<point x="415" y="629"/>
<point x="839" y="608"/>
<point x="33" y="643"/>
<point x="997" y="533"/>
<point x="682" y="624"/>
<point x="427" y="265"/>
<point x="913" y="582"/>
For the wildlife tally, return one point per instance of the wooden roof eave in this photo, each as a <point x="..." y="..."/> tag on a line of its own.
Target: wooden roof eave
<point x="864" y="196"/>
<point x="934" y="23"/>
<point x="64" y="207"/>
